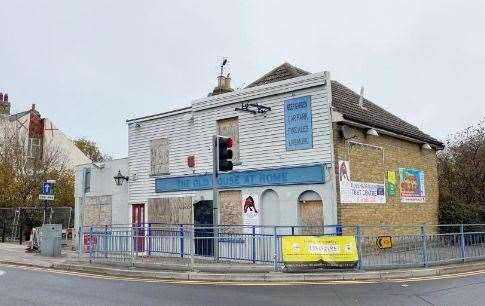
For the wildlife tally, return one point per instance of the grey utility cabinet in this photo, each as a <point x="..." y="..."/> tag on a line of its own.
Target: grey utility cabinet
<point x="51" y="238"/>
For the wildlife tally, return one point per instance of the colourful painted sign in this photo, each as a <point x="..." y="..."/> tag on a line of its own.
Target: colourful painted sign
<point x="411" y="182"/>
<point x="358" y="192"/>
<point x="298" y="124"/>
<point x="250" y="211"/>
<point x="314" y="174"/>
<point x="314" y="249"/>
<point x="391" y="183"/>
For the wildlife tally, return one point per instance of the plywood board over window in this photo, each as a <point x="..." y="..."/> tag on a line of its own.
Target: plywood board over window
<point x="159" y="156"/>
<point x="229" y="127"/>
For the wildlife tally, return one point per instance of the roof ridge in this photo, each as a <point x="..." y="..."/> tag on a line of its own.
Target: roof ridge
<point x="272" y="76"/>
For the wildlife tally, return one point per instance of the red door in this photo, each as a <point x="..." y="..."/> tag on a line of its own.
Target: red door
<point x="138" y="221"/>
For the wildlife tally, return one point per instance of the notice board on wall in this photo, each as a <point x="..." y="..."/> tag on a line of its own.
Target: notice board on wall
<point x="358" y="192"/>
<point x="298" y="124"/>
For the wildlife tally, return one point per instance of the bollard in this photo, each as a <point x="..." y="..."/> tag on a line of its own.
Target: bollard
<point x="462" y="243"/>
<point x="424" y="250"/>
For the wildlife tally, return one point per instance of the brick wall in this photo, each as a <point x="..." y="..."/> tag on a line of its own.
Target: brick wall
<point x="370" y="163"/>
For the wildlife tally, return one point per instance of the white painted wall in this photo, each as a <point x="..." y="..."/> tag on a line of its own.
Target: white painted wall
<point x="262" y="138"/>
<point x="103" y="184"/>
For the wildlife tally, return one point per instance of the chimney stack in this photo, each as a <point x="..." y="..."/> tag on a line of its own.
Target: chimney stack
<point x="4" y="104"/>
<point x="223" y="85"/>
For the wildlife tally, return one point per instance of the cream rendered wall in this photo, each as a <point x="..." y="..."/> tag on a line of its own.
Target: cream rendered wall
<point x="103" y="184"/>
<point x="55" y="139"/>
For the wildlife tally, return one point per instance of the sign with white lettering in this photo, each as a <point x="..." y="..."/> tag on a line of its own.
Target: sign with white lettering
<point x="47" y="193"/>
<point x="314" y="174"/>
<point x="298" y="124"/>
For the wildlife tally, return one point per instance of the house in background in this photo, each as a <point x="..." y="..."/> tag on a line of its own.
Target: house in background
<point x="40" y="134"/>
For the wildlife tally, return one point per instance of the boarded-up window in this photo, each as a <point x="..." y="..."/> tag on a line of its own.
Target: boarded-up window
<point x="160" y="156"/>
<point x="230" y="128"/>
<point x="170" y="210"/>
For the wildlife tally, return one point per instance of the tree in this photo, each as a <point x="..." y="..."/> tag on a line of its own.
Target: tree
<point x="91" y="149"/>
<point x="23" y="170"/>
<point x="461" y="169"/>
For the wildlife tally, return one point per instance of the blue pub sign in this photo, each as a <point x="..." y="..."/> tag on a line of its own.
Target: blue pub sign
<point x="312" y="174"/>
<point x="298" y="124"/>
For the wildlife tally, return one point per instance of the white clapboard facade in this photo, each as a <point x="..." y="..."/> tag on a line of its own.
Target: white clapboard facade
<point x="290" y="179"/>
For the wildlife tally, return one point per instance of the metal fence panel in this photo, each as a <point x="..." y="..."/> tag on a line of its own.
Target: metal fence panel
<point x="412" y="245"/>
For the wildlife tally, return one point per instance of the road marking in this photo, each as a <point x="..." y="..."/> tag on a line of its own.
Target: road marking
<point x="2" y="272"/>
<point x="240" y="283"/>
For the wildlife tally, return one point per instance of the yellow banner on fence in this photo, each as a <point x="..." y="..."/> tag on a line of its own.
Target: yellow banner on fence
<point x="329" y="249"/>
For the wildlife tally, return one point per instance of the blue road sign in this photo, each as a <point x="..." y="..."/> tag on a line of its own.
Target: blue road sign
<point x="48" y="188"/>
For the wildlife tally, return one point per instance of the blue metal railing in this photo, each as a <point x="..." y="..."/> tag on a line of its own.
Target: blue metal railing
<point x="412" y="245"/>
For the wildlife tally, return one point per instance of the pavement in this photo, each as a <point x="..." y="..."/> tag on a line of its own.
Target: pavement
<point x="14" y="254"/>
<point x="39" y="286"/>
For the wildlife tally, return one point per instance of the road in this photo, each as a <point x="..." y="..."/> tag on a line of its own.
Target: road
<point x="27" y="286"/>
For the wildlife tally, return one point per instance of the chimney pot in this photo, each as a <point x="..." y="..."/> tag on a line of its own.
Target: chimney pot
<point x="33" y="106"/>
<point x="5" y="97"/>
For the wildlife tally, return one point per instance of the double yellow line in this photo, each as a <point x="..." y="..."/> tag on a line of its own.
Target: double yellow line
<point x="239" y="283"/>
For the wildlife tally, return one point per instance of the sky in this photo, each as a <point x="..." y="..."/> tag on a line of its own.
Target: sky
<point x="91" y="65"/>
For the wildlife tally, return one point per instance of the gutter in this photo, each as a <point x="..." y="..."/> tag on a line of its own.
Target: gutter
<point x="386" y="132"/>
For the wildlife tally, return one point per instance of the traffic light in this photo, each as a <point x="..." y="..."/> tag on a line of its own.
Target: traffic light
<point x="225" y="154"/>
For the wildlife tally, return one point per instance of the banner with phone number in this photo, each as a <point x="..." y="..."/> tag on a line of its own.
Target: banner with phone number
<point x="313" y="249"/>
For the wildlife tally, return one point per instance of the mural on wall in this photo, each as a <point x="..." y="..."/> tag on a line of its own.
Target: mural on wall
<point x="250" y="207"/>
<point x="411" y="182"/>
<point x="298" y="124"/>
<point x="358" y="192"/>
<point x="391" y="183"/>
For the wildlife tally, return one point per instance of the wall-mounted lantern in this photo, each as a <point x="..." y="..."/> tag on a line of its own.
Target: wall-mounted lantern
<point x="372" y="132"/>
<point x="119" y="178"/>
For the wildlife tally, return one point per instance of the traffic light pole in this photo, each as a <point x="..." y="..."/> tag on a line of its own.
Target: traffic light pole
<point x="215" y="194"/>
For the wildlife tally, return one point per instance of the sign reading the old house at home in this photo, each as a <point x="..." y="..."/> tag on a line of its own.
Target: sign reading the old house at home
<point x="298" y="124"/>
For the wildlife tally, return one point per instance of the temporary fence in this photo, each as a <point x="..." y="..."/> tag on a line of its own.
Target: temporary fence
<point x="409" y="245"/>
<point x="16" y="223"/>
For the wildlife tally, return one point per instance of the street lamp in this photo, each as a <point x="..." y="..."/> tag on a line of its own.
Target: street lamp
<point x="119" y="178"/>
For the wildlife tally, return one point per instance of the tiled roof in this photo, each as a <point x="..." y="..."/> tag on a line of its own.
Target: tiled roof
<point x="280" y="73"/>
<point x="345" y="101"/>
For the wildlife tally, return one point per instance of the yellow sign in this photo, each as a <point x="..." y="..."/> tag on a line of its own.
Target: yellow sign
<point x="384" y="242"/>
<point x="312" y="249"/>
